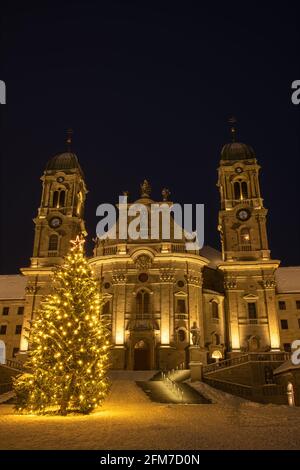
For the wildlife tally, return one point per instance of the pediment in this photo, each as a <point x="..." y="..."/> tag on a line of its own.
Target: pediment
<point x="180" y="293"/>
<point x="250" y="297"/>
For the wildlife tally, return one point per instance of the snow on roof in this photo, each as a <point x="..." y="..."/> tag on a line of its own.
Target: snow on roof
<point x="12" y="286"/>
<point x="212" y="254"/>
<point x="288" y="279"/>
<point x="286" y="366"/>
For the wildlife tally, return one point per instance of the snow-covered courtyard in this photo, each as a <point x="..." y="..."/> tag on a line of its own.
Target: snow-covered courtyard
<point x="129" y="420"/>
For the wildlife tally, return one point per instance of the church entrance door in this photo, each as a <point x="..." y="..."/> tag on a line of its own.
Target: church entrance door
<point x="141" y="356"/>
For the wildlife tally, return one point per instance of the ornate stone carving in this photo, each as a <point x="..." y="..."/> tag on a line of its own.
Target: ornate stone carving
<point x="230" y="283"/>
<point x="143" y="263"/>
<point x="119" y="277"/>
<point x="32" y="290"/>
<point x="166" y="275"/>
<point x="269" y="283"/>
<point x="193" y="278"/>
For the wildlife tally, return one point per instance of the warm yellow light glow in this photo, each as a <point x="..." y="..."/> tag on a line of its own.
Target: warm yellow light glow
<point x="216" y="355"/>
<point x="165" y="336"/>
<point x="235" y="341"/>
<point x="275" y="340"/>
<point x="119" y="336"/>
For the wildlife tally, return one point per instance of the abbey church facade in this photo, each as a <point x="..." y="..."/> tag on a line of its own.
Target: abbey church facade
<point x="161" y="300"/>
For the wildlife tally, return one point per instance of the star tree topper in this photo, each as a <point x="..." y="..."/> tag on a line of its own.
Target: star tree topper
<point x="77" y="243"/>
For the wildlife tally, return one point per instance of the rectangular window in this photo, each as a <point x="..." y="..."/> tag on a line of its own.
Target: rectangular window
<point x="282" y="305"/>
<point x="181" y="306"/>
<point x="3" y="329"/>
<point x="20" y="310"/>
<point x="287" y="347"/>
<point x="18" y="329"/>
<point x="252" y="313"/>
<point x="5" y="311"/>
<point x="299" y="322"/>
<point x="15" y="351"/>
<point x="298" y="304"/>
<point x="284" y="324"/>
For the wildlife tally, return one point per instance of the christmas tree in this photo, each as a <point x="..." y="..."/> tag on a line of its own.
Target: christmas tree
<point x="69" y="344"/>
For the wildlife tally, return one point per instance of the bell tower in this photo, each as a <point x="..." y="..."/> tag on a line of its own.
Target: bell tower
<point x="60" y="215"/>
<point x="242" y="218"/>
<point x="249" y="271"/>
<point x="59" y="220"/>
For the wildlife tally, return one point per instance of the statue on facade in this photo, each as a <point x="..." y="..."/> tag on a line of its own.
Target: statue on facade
<point x="145" y="189"/>
<point x="165" y="194"/>
<point x="195" y="331"/>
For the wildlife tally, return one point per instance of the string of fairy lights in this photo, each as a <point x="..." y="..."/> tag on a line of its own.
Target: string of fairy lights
<point x="69" y="344"/>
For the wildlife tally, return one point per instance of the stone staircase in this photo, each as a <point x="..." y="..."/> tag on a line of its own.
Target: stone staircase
<point x="248" y="376"/>
<point x="170" y="387"/>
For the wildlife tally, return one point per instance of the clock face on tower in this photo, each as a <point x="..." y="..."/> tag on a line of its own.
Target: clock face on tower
<point x="243" y="214"/>
<point x="55" y="222"/>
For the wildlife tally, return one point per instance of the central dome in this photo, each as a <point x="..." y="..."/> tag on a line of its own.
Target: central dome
<point x="63" y="161"/>
<point x="237" y="151"/>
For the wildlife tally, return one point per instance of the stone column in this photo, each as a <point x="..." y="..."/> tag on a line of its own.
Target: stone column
<point x="233" y="320"/>
<point x="194" y="282"/>
<point x="166" y="294"/>
<point x="270" y="300"/>
<point x="118" y="323"/>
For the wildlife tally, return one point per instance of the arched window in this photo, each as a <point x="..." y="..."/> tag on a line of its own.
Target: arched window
<point x="253" y="344"/>
<point x="79" y="203"/>
<point x="215" y="309"/>
<point x="240" y="189"/>
<point x="237" y="190"/>
<point x="59" y="198"/>
<point x="62" y="197"/>
<point x="55" y="200"/>
<point x="245" y="236"/>
<point x="53" y="242"/>
<point x="142" y="303"/>
<point x="244" y="187"/>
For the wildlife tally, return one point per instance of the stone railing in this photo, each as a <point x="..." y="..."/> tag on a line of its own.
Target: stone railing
<point x="250" y="357"/>
<point x="109" y="250"/>
<point x="244" y="391"/>
<point x="272" y="390"/>
<point x="14" y="364"/>
<point x="178" y="248"/>
<point x="234" y="361"/>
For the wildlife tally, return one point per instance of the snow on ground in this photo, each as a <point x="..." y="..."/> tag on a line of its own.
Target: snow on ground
<point x="129" y="420"/>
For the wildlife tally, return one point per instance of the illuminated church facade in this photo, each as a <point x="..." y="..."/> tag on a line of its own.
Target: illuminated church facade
<point x="161" y="300"/>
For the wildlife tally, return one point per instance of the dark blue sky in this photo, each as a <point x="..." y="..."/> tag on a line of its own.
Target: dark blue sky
<point x="148" y="88"/>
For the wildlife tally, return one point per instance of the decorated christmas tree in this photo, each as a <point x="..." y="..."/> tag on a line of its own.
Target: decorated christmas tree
<point x="69" y="344"/>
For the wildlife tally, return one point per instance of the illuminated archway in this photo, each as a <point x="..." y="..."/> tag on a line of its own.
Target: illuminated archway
<point x="217" y="355"/>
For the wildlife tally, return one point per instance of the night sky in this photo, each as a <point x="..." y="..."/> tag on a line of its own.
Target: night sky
<point x="148" y="88"/>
